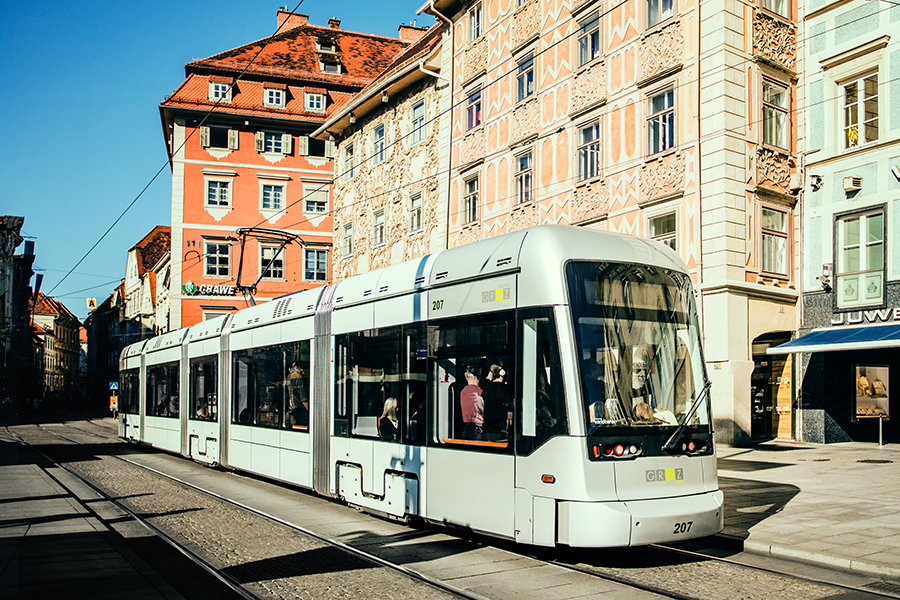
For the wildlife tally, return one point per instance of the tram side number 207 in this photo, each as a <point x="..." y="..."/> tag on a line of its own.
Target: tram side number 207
<point x="683" y="527"/>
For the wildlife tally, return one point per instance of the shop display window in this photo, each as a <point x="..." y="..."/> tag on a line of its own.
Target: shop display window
<point x="872" y="392"/>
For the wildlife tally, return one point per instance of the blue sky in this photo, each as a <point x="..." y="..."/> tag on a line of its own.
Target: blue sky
<point x="79" y="117"/>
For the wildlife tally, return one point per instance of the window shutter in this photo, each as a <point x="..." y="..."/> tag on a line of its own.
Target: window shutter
<point x="329" y="149"/>
<point x="260" y="141"/>
<point x="286" y="143"/>
<point x="204" y="136"/>
<point x="303" y="145"/>
<point x="232" y="139"/>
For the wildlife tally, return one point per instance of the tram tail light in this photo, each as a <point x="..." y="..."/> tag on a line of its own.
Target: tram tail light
<point x="618" y="450"/>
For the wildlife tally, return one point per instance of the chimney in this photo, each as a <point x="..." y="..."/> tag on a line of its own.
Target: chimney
<point x="293" y="20"/>
<point x="334" y="23"/>
<point x="410" y="33"/>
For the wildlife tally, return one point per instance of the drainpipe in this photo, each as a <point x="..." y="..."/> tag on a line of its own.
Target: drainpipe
<point x="432" y="73"/>
<point x="435" y="12"/>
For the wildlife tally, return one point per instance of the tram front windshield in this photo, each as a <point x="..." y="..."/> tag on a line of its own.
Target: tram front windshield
<point x="639" y="346"/>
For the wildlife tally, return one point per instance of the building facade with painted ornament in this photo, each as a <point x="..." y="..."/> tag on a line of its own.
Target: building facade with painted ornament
<point x="392" y="159"/>
<point x="251" y="191"/>
<point x="669" y="120"/>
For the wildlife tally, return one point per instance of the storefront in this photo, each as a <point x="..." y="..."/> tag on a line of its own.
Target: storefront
<point x="846" y="383"/>
<point x="771" y="392"/>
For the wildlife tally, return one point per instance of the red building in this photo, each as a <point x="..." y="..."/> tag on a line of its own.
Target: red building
<point x="251" y="191"/>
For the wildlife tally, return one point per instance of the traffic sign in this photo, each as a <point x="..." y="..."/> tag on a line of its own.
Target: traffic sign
<point x="113" y="385"/>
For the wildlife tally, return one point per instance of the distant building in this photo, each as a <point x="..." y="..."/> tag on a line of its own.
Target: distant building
<point x="19" y="376"/>
<point x="62" y="349"/>
<point x="105" y="327"/>
<point x="142" y="316"/>
<point x="242" y="158"/>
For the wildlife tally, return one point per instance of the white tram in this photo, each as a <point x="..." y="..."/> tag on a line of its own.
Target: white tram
<point x="545" y="386"/>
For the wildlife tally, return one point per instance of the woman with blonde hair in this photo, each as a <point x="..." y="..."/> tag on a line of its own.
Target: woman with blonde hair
<point x="388" y="424"/>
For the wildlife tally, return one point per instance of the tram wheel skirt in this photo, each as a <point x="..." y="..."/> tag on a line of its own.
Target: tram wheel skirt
<point x="639" y="522"/>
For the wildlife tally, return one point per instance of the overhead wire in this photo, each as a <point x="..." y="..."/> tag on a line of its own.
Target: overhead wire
<point x="162" y="168"/>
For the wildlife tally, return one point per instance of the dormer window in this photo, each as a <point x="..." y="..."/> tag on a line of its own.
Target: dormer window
<point x="331" y="67"/>
<point x="326" y="46"/>
<point x="219" y="91"/>
<point x="315" y="102"/>
<point x="274" y="98"/>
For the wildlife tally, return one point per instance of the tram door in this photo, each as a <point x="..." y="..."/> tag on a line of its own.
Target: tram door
<point x="203" y="409"/>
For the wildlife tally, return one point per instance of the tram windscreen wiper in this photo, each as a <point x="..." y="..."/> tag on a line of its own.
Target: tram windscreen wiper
<point x="670" y="443"/>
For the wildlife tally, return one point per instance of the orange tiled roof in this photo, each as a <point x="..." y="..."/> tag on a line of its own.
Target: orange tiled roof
<point x="292" y="57"/>
<point x="45" y="305"/>
<point x="152" y="247"/>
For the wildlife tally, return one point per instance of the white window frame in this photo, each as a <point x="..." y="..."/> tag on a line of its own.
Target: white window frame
<point x="314" y="102"/>
<point x="417" y="123"/>
<point x="659" y="11"/>
<point x="211" y="183"/>
<point x="867" y="274"/>
<point x="588" y="151"/>
<point x="317" y="194"/>
<point x="321" y="45"/>
<point x="216" y="245"/>
<point x="277" y="272"/>
<point x="776" y="117"/>
<point x="474" y="104"/>
<point x="347" y="240"/>
<point x="589" y="42"/>
<point x="525" y="77"/>
<point x="273" y="142"/>
<point x="280" y="191"/>
<point x="854" y="120"/>
<point x="664" y="119"/>
<point x="348" y="164"/>
<point x="669" y="238"/>
<point x="317" y="254"/>
<point x="274" y="98"/>
<point x="781" y="8"/>
<point x="326" y="67"/>
<point x="416" y="212"/>
<point x="378" y="221"/>
<point x="219" y="92"/>
<point x="523" y="176"/>
<point x="775" y="244"/>
<point x="474" y="20"/>
<point x="379" y="136"/>
<point x="471" y="203"/>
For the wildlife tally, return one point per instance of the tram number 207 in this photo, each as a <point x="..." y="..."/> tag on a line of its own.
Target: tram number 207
<point x="683" y="527"/>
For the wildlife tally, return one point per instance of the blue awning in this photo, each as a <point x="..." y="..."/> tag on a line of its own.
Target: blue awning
<point x="843" y="338"/>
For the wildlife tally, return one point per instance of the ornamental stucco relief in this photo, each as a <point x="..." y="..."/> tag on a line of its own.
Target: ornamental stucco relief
<point x="472" y="146"/>
<point x="663" y="176"/>
<point x="522" y="216"/>
<point x="526" y="22"/>
<point x="662" y="49"/>
<point x="775" y="40"/>
<point x="475" y="58"/>
<point x="589" y="201"/>
<point x="526" y="119"/>
<point x="773" y="168"/>
<point x="589" y="86"/>
<point x="468" y="234"/>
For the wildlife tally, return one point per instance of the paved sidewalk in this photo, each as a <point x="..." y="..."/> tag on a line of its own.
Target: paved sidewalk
<point x="834" y="505"/>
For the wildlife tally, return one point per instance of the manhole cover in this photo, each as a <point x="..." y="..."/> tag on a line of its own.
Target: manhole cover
<point x="884" y="586"/>
<point x="875" y="461"/>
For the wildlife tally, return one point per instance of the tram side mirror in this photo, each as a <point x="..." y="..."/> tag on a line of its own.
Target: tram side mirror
<point x="529" y="377"/>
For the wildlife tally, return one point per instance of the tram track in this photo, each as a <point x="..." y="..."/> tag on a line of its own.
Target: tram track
<point x="634" y="575"/>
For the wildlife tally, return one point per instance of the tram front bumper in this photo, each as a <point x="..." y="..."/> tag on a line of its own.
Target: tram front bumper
<point x="640" y="522"/>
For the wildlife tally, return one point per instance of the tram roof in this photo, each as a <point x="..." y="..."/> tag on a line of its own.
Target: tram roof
<point x="539" y="253"/>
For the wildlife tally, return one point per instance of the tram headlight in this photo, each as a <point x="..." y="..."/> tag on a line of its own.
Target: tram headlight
<point x="619" y="450"/>
<point x="692" y="445"/>
<point x="622" y="450"/>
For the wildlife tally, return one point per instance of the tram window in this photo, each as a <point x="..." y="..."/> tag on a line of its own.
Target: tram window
<point x="204" y="388"/>
<point x="542" y="404"/>
<point x="473" y="395"/>
<point x="637" y="332"/>
<point x="271" y="386"/>
<point x="380" y="387"/>
<point x="129" y="392"/>
<point x="163" y="385"/>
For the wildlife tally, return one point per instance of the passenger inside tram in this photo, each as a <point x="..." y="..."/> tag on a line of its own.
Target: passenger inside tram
<point x="388" y="423"/>
<point x="471" y="402"/>
<point x="498" y="407"/>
